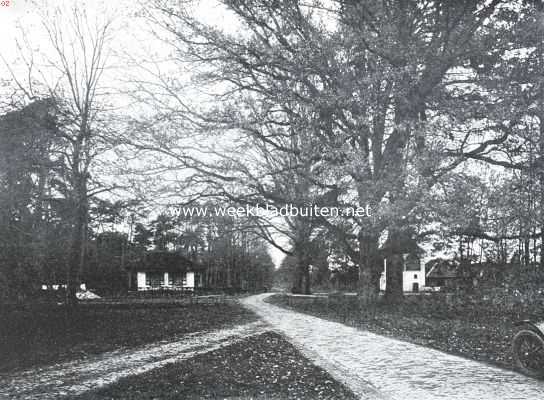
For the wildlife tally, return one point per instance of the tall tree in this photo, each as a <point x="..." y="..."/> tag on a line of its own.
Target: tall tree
<point x="375" y="82"/>
<point x="70" y="71"/>
<point x="30" y="171"/>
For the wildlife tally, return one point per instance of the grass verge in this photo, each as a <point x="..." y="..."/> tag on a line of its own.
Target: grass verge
<point x="41" y="334"/>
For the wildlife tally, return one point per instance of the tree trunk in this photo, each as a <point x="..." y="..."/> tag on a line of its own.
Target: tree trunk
<point x="297" y="280"/>
<point x="302" y="282"/>
<point x="307" y="282"/>
<point x="77" y="257"/>
<point x="394" y="278"/>
<point x="302" y="273"/>
<point x="369" y="270"/>
<point x="395" y="266"/>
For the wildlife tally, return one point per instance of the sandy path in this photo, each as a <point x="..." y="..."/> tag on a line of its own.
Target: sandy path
<point x="375" y="366"/>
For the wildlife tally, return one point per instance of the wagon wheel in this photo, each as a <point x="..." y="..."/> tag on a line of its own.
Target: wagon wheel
<point x="528" y="349"/>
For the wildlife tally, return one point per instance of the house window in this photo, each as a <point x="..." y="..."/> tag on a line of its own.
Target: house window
<point x="153" y="279"/>
<point x="178" y="279"/>
<point x="198" y="280"/>
<point x="415" y="276"/>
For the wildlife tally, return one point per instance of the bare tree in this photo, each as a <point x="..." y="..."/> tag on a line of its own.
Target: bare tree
<point x="70" y="70"/>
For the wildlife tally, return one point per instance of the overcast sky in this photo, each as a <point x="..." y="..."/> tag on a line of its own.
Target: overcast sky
<point x="134" y="41"/>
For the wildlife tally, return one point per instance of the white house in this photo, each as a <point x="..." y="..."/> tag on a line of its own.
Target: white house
<point x="147" y="280"/>
<point x="164" y="270"/>
<point x="413" y="275"/>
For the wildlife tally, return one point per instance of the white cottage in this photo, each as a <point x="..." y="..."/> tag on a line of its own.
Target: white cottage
<point x="413" y="275"/>
<point x="413" y="270"/>
<point x="164" y="270"/>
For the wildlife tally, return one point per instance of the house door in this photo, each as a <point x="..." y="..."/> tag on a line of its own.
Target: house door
<point x="415" y="287"/>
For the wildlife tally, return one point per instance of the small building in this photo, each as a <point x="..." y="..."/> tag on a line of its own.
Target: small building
<point x="453" y="275"/>
<point x="165" y="270"/>
<point x="413" y="275"/>
<point x="413" y="270"/>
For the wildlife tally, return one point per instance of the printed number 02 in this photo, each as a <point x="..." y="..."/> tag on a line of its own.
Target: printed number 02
<point x="4" y="3"/>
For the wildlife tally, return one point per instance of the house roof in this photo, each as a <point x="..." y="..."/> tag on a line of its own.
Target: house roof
<point x="163" y="261"/>
<point x="440" y="268"/>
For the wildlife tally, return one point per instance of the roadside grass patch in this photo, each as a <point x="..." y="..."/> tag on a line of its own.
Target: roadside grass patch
<point x="47" y="333"/>
<point x="264" y="366"/>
